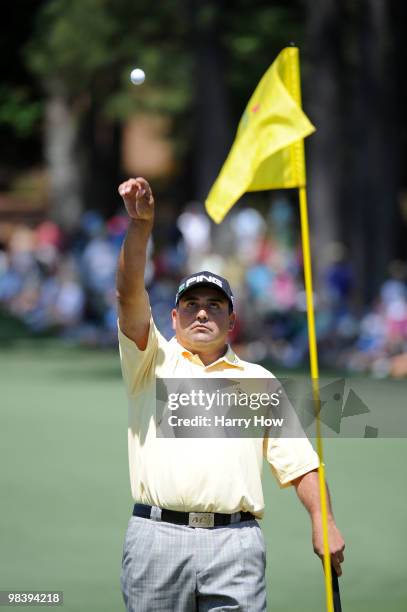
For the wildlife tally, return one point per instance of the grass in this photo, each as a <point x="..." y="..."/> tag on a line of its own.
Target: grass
<point x="65" y="495"/>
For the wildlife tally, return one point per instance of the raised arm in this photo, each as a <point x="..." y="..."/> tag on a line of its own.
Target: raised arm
<point x="133" y="302"/>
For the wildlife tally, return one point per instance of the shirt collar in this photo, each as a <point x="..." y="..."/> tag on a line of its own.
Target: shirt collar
<point x="230" y="358"/>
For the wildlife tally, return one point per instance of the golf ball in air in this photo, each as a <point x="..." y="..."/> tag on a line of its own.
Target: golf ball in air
<point x="137" y="76"/>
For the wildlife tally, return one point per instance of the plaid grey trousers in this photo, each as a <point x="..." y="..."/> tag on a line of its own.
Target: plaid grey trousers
<point x="175" y="568"/>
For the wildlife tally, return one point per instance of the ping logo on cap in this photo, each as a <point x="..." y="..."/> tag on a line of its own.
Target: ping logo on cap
<point x="202" y="278"/>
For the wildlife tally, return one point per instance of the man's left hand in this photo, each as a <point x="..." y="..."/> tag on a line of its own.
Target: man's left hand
<point x="335" y="539"/>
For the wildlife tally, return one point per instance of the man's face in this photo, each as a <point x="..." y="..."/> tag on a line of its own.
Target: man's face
<point x="202" y="320"/>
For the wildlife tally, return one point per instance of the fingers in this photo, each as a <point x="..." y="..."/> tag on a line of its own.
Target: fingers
<point x="143" y="184"/>
<point x="134" y="187"/>
<point x="337" y="558"/>
<point x="130" y="187"/>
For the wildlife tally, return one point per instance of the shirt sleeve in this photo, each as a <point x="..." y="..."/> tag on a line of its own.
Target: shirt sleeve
<point x="138" y="367"/>
<point x="290" y="458"/>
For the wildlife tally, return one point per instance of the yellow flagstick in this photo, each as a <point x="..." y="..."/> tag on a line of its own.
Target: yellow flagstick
<point x="298" y="162"/>
<point x="315" y="388"/>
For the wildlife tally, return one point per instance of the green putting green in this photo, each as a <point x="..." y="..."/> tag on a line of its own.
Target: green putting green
<point x="65" y="498"/>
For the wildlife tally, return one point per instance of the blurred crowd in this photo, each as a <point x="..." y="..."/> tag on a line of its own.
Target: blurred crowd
<point x="65" y="285"/>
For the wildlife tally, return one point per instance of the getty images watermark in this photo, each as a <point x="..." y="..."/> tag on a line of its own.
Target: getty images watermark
<point x="218" y="407"/>
<point x="246" y="407"/>
<point x="218" y="400"/>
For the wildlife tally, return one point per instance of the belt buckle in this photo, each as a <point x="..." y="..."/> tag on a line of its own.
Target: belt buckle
<point x="201" y="519"/>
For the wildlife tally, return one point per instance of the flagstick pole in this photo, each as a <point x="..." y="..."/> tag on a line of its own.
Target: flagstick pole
<point x="312" y="341"/>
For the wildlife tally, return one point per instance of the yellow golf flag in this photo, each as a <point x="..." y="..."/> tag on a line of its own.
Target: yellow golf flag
<point x="268" y="151"/>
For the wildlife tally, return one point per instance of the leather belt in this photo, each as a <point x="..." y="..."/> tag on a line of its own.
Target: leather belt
<point x="192" y="519"/>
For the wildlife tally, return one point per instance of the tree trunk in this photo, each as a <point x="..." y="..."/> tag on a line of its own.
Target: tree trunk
<point x="100" y="146"/>
<point x="323" y="96"/>
<point x="60" y="147"/>
<point x="372" y="198"/>
<point x="212" y="137"/>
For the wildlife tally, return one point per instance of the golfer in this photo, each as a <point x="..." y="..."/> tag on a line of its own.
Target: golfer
<point x="194" y="542"/>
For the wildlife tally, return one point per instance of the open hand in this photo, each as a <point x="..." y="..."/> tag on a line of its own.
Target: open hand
<point x="138" y="199"/>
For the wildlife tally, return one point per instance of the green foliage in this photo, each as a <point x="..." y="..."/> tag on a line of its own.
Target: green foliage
<point x="86" y="49"/>
<point x="253" y="33"/>
<point x="72" y="40"/>
<point x="90" y="46"/>
<point x="18" y="111"/>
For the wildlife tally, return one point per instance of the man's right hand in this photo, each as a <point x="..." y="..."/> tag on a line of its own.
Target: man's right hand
<point x="138" y="199"/>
